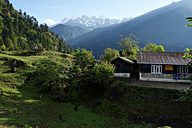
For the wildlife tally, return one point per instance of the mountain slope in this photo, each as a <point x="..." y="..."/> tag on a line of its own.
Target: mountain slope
<point x="68" y="32"/>
<point x="19" y="31"/>
<point x="91" y="23"/>
<point x="163" y="26"/>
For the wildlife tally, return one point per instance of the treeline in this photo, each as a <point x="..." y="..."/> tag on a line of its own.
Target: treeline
<point x="129" y="49"/>
<point x="19" y="31"/>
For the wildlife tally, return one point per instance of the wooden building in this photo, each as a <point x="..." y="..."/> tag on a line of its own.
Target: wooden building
<point x="163" y="66"/>
<point x="151" y="66"/>
<point x="123" y="67"/>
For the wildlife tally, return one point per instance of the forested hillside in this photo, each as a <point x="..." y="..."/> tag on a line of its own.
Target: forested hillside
<point x="19" y="31"/>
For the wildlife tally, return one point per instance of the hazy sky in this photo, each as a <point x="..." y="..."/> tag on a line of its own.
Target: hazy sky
<point x="54" y="10"/>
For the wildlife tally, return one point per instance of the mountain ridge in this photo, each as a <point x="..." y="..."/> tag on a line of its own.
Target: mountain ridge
<point x="70" y="28"/>
<point x="68" y="32"/>
<point x="165" y="26"/>
<point x="92" y="22"/>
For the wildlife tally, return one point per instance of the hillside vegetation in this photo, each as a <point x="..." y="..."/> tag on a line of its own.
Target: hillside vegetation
<point x="45" y="84"/>
<point x="22" y="104"/>
<point x="19" y="31"/>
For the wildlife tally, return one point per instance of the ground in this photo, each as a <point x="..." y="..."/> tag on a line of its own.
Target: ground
<point x="23" y="106"/>
<point x="163" y="85"/>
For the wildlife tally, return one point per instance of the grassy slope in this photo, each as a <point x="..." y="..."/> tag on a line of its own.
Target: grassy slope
<point x="21" y="105"/>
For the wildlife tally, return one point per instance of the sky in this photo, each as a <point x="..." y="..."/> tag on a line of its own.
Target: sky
<point x="53" y="11"/>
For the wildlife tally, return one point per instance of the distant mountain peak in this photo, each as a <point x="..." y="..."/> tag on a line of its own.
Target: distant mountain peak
<point x="165" y="25"/>
<point x="91" y="22"/>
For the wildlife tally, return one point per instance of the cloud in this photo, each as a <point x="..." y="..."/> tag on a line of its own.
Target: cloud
<point x="49" y="22"/>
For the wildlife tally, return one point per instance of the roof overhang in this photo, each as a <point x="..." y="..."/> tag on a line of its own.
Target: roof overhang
<point x="124" y="59"/>
<point x="161" y="63"/>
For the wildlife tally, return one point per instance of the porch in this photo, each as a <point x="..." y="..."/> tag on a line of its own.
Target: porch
<point x="177" y="78"/>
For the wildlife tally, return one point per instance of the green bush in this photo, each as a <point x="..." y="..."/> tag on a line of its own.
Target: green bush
<point x="186" y="95"/>
<point x="52" y="76"/>
<point x="102" y="72"/>
<point x="3" y="48"/>
<point x="73" y="79"/>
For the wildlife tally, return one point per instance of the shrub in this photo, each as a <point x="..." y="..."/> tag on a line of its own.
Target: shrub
<point x="102" y="72"/>
<point x="186" y="95"/>
<point x="52" y="76"/>
<point x="3" y="48"/>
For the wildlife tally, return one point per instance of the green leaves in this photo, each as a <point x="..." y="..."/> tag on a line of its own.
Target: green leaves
<point x="130" y="47"/>
<point x="103" y="70"/>
<point x="128" y="43"/>
<point x="20" y="31"/>
<point x="84" y="58"/>
<point x="109" y="54"/>
<point x="3" y="48"/>
<point x="151" y="47"/>
<point x="189" y="19"/>
<point x="188" y="53"/>
<point x="53" y="75"/>
<point x="186" y="95"/>
<point x="70" y="79"/>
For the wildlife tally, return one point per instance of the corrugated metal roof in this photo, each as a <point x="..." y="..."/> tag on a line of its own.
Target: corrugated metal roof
<point x="172" y="58"/>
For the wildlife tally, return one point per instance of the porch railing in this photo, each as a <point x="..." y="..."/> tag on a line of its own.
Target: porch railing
<point x="175" y="76"/>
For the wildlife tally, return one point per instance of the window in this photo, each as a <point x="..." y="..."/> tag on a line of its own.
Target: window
<point x="145" y="68"/>
<point x="182" y="69"/>
<point x="156" y="69"/>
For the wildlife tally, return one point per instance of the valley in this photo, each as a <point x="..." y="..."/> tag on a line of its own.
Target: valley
<point x="94" y="71"/>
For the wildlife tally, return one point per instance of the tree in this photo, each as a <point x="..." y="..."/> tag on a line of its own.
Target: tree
<point x="84" y="59"/>
<point x="22" y="42"/>
<point x="3" y="48"/>
<point x="52" y="76"/>
<point x="102" y="71"/>
<point x="15" y="24"/>
<point x="8" y="42"/>
<point x="128" y="43"/>
<point x="189" y="19"/>
<point x="1" y="41"/>
<point x="1" y="24"/>
<point x="130" y="47"/>
<point x="109" y="54"/>
<point x="11" y="47"/>
<point x="151" y="47"/>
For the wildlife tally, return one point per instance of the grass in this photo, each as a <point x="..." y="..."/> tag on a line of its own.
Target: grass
<point x="22" y="105"/>
<point x="29" y="110"/>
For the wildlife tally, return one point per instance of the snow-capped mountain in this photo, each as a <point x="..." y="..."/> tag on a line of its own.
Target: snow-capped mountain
<point x="91" y="23"/>
<point x="70" y="28"/>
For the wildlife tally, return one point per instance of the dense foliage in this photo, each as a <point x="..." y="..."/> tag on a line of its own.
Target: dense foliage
<point x="19" y="31"/>
<point x="109" y="54"/>
<point x="23" y="105"/>
<point x="130" y="47"/>
<point x="53" y="75"/>
<point x="151" y="47"/>
<point x="75" y="79"/>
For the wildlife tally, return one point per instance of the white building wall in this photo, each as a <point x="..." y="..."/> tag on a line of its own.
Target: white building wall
<point x="162" y="79"/>
<point x="125" y="75"/>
